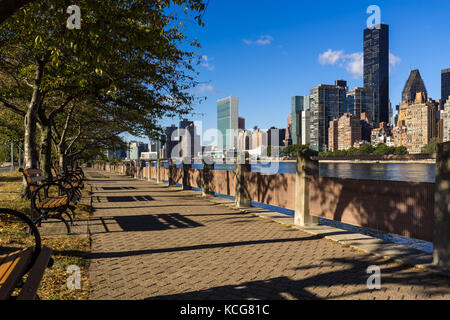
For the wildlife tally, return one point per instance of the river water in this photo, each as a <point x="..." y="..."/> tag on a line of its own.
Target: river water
<point x="414" y="172"/>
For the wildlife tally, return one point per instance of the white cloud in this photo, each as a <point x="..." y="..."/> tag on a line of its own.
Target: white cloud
<point x="353" y="62"/>
<point x="262" y="41"/>
<point x="207" y="63"/>
<point x="394" y="60"/>
<point x="205" y="89"/>
<point x="330" y="57"/>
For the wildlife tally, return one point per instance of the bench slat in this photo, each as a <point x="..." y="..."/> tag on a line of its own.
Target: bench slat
<point x="30" y="288"/>
<point x="12" y="268"/>
<point x="32" y="171"/>
<point x="36" y="179"/>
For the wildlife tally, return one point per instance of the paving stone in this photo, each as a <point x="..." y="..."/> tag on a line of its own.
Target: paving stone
<point x="154" y="242"/>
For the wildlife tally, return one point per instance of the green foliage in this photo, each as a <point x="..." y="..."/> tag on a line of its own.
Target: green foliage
<point x="5" y="154"/>
<point x="367" y="149"/>
<point x="431" y="147"/>
<point x="128" y="66"/>
<point x="293" y="149"/>
<point x="381" y="149"/>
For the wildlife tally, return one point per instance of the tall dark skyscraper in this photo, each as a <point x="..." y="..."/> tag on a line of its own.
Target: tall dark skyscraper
<point x="376" y="67"/>
<point x="445" y="85"/>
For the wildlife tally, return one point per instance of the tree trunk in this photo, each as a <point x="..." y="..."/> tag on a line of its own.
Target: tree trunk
<point x="46" y="150"/>
<point x="30" y="123"/>
<point x="62" y="159"/>
<point x="30" y="160"/>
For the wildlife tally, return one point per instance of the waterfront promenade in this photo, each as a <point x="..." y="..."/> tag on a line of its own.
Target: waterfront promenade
<point x="154" y="242"/>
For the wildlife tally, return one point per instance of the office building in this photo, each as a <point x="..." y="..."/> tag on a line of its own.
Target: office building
<point x="275" y="137"/>
<point x="400" y="135"/>
<point x="306" y="121"/>
<point x="445" y="85"/>
<point x="298" y="105"/>
<point x="382" y="134"/>
<point x="376" y="67"/>
<point x="414" y="88"/>
<point x="171" y="134"/>
<point x="445" y="117"/>
<point x="421" y="124"/>
<point x="363" y="100"/>
<point x="327" y="102"/>
<point x="413" y="85"/>
<point x="136" y="148"/>
<point x="241" y="123"/>
<point x="288" y="140"/>
<point x="344" y="132"/>
<point x="244" y="140"/>
<point x="333" y="137"/>
<point x="227" y="123"/>
<point x="190" y="142"/>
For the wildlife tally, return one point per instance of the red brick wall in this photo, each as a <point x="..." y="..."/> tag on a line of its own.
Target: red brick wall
<point x="223" y="182"/>
<point x="277" y="189"/>
<point x="195" y="178"/>
<point x="404" y="208"/>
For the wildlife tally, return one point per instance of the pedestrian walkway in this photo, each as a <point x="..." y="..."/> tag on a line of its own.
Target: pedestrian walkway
<point x="150" y="241"/>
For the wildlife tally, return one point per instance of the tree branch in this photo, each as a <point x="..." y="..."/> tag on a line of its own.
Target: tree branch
<point x="12" y="107"/>
<point x="9" y="7"/>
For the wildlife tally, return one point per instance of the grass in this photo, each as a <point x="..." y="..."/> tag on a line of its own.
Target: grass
<point x="67" y="250"/>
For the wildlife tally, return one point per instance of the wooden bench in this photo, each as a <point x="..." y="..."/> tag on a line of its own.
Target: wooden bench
<point x="15" y="265"/>
<point x="50" y="198"/>
<point x="70" y="181"/>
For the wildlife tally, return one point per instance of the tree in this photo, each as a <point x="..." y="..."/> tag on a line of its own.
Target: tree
<point x="9" y="7"/>
<point x="365" y="149"/>
<point x="293" y="149"/>
<point x="130" y="56"/>
<point x="381" y="149"/>
<point x="432" y="146"/>
<point x="400" y="150"/>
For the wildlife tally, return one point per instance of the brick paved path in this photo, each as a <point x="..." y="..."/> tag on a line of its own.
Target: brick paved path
<point x="152" y="242"/>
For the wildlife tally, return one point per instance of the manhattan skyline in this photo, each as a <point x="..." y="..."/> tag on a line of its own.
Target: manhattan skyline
<point x="267" y="53"/>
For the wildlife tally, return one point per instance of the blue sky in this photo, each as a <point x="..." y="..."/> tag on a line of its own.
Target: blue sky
<point x="264" y="51"/>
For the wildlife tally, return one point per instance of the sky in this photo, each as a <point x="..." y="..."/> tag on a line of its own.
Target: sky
<point x="264" y="52"/>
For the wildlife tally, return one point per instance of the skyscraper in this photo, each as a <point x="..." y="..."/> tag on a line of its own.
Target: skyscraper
<point x="413" y="85"/>
<point x="298" y="104"/>
<point x="363" y="100"/>
<point x="306" y="122"/>
<point x="445" y="85"/>
<point x="376" y="66"/>
<point x="326" y="103"/>
<point x="227" y="123"/>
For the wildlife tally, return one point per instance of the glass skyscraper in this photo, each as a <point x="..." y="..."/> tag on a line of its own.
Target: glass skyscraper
<point x="445" y="85"/>
<point x="227" y="123"/>
<point x="298" y="104"/>
<point x="326" y="103"/>
<point x="376" y="66"/>
<point x="363" y="100"/>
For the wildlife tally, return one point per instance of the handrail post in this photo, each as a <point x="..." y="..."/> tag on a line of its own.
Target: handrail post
<point x="441" y="234"/>
<point x="242" y="166"/>
<point x="171" y="173"/>
<point x="158" y="171"/>
<point x="186" y="166"/>
<point x="206" y="176"/>
<point x="306" y="170"/>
